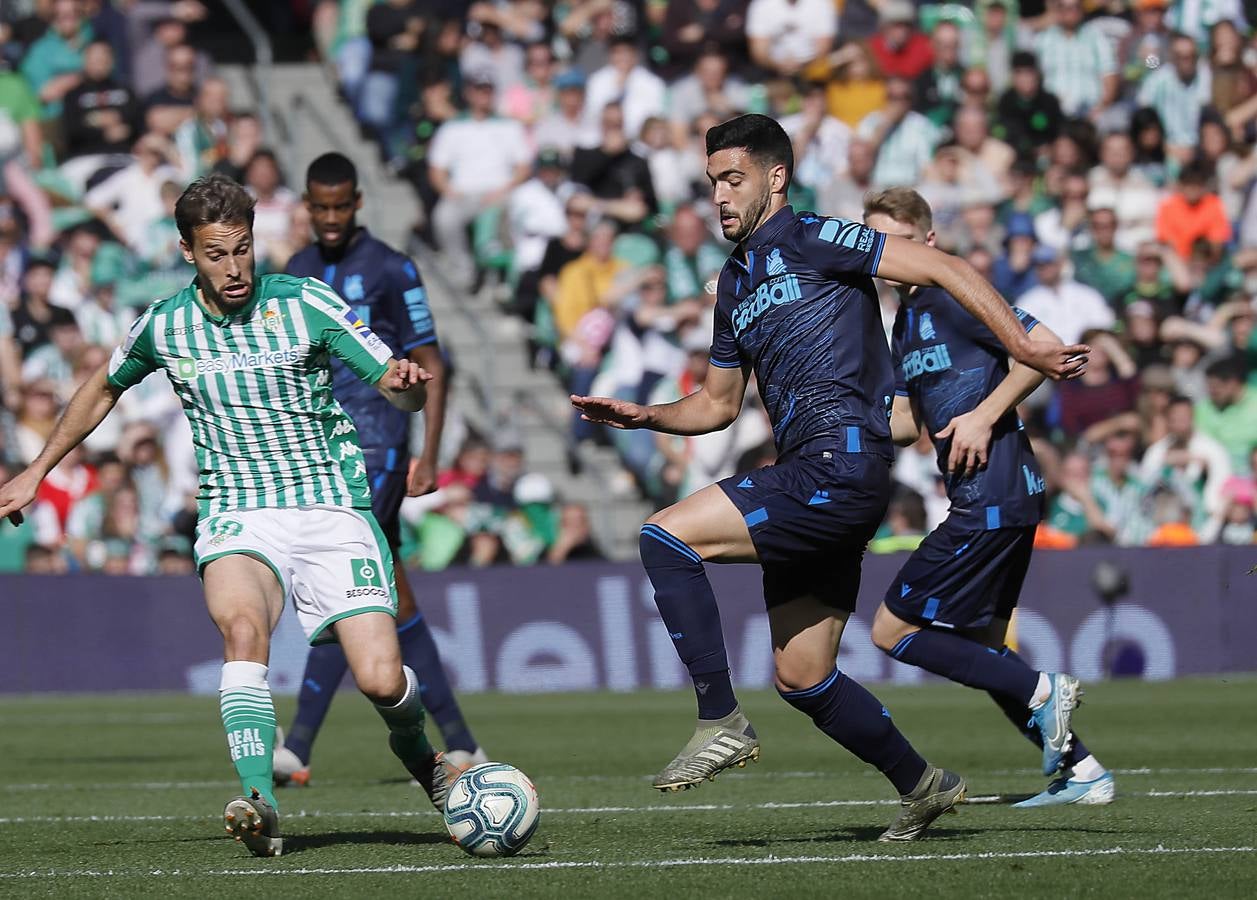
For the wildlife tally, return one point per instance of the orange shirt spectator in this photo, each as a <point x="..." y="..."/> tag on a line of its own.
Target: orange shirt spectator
<point x="1192" y="213"/>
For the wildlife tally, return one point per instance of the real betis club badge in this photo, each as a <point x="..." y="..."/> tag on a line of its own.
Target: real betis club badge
<point x="367" y="573"/>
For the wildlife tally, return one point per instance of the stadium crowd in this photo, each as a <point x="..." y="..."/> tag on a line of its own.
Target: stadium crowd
<point x="1094" y="160"/>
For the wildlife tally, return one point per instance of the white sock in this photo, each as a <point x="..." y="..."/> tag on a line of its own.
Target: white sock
<point x="1042" y="691"/>
<point x="1088" y="769"/>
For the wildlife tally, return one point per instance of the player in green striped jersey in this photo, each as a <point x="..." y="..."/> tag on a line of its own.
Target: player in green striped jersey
<point x="285" y="510"/>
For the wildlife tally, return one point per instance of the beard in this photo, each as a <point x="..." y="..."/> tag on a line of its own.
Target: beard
<point x="748" y="220"/>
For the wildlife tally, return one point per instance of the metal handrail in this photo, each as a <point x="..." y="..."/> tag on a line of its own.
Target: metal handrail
<point x="265" y="59"/>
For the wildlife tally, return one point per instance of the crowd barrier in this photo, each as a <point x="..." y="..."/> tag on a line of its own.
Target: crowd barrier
<point x="593" y="626"/>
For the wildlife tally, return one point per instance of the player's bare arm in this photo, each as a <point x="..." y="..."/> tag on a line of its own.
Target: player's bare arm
<point x="87" y="409"/>
<point x="971" y="433"/>
<point x="405" y="385"/>
<point x="905" y="422"/>
<point x="915" y="263"/>
<point x="713" y="407"/>
<point x="421" y="476"/>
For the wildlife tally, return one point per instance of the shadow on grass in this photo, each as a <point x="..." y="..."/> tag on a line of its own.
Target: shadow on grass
<point x="302" y="842"/>
<point x="857" y="835"/>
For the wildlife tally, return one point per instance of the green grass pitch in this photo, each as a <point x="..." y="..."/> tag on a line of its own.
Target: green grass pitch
<point x="120" y="796"/>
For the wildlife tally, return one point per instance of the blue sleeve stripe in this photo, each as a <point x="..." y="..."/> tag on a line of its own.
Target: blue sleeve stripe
<point x="721" y="364"/>
<point x="900" y="392"/>
<point x="421" y="342"/>
<point x="877" y="253"/>
<point x="1030" y="325"/>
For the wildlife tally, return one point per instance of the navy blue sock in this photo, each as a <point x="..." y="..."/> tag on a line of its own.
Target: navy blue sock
<point x="688" y="607"/>
<point x="968" y="663"/>
<point x="420" y="653"/>
<point x="853" y="717"/>
<point x="1019" y="715"/>
<point x="325" y="669"/>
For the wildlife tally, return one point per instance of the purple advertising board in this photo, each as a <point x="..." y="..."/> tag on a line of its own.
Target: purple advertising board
<point x="594" y="626"/>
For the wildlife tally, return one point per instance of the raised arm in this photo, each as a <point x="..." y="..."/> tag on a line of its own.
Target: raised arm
<point x="87" y="409"/>
<point x="713" y="407"/>
<point x="916" y="263"/>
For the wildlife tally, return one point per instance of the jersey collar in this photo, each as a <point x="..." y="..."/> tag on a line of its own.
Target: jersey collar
<point x="239" y="316"/>
<point x="766" y="234"/>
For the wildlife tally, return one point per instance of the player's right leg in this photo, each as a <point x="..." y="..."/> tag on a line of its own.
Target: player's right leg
<point x="1083" y="778"/>
<point x="245" y="599"/>
<point x="674" y="544"/>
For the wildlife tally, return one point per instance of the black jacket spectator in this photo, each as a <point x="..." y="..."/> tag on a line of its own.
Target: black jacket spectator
<point x="393" y="29"/>
<point x="91" y="112"/>
<point x="690" y="26"/>
<point x="1027" y="124"/>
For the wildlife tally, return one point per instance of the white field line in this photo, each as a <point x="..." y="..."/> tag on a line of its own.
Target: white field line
<point x="571" y="810"/>
<point x="333" y="782"/>
<point x="643" y="863"/>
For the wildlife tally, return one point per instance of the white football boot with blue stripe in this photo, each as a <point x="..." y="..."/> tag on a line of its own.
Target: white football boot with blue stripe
<point x="1053" y="718"/>
<point x="1069" y="789"/>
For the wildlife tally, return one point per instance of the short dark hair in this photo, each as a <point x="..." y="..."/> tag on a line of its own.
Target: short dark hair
<point x="759" y="136"/>
<point x="330" y="169"/>
<point x="1228" y="368"/>
<point x="212" y="200"/>
<point x="1179" y="400"/>
<point x="1195" y="172"/>
<point x="902" y="204"/>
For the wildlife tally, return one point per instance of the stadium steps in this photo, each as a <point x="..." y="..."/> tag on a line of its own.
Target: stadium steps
<point x="496" y="389"/>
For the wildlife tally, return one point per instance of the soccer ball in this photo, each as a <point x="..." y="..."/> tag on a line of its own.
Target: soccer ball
<point x="492" y="810"/>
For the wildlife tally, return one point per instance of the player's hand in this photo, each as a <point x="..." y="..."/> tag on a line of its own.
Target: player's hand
<point x="405" y="376"/>
<point x="420" y="477"/>
<point x="16" y="494"/>
<point x="1060" y="363"/>
<point x="616" y="413"/>
<point x="970" y="442"/>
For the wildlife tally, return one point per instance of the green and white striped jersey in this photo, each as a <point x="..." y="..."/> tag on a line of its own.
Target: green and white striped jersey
<point x="256" y="387"/>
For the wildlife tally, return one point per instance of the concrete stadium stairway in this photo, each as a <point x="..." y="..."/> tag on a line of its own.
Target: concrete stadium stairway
<point x="495" y="389"/>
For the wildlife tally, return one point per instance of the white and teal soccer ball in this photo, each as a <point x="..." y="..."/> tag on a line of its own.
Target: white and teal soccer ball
<point x="492" y="810"/>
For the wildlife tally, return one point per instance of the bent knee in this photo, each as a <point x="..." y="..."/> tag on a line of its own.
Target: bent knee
<point x="798" y="673"/>
<point x="383" y="682"/>
<point x="888" y="630"/>
<point x="245" y="637"/>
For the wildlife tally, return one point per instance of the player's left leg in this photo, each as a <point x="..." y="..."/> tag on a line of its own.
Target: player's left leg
<point x="806" y="626"/>
<point x="370" y="643"/>
<point x="1083" y="778"/>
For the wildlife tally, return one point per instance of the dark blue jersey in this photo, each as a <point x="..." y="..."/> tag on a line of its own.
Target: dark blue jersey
<point x="384" y="289"/>
<point x="947" y="362"/>
<point x="801" y="311"/>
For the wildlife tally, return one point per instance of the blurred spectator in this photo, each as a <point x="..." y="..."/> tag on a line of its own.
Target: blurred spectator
<point x="693" y="29"/>
<point x="1063" y="227"/>
<point x="1146" y="45"/>
<point x="1171" y="519"/>
<point x="820" y="141"/>
<point x="1120" y="494"/>
<point x="1014" y="273"/>
<point x="575" y="540"/>
<point x="784" y="36"/>
<point x="938" y="87"/>
<point x="155" y="26"/>
<point x="35" y="316"/>
<point x="995" y="43"/>
<point x="497" y="488"/>
<point x="1061" y="303"/>
<point x="691" y="260"/>
<point x="1103" y="399"/>
<point x="474" y="164"/>
<point x="1101" y="264"/>
<point x="174" y="102"/>
<point x="985" y="161"/>
<point x="1188" y="461"/>
<point x="1077" y="61"/>
<point x="1028" y="116"/>
<point x="1148" y="136"/>
<point x="99" y="117"/>
<point x="904" y="138"/>
<point x="1237" y="523"/>
<point x="856" y="87"/>
<point x="201" y="140"/>
<point x="1234" y="82"/>
<point x="905" y="527"/>
<point x="1192" y="213"/>
<point x="1117" y="185"/>
<point x="566" y="128"/>
<point x="1178" y="92"/>
<point x="129" y="202"/>
<point x="54" y="63"/>
<point x="619" y="178"/>
<point x="624" y="81"/>
<point x="536" y="213"/>
<point x="1195" y="19"/>
<point x="709" y="87"/>
<point x="395" y="29"/>
<point x="54" y="361"/>
<point x="585" y="284"/>
<point x="72" y="283"/>
<point x="489" y="52"/>
<point x="1228" y="414"/>
<point x="844" y="195"/>
<point x="529" y="99"/>
<point x="899" y="49"/>
<point x="273" y="207"/>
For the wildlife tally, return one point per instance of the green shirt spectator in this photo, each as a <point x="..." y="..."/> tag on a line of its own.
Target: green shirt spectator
<point x="1110" y="272"/>
<point x="54" y="63"/>
<point x="19" y="118"/>
<point x="1229" y="413"/>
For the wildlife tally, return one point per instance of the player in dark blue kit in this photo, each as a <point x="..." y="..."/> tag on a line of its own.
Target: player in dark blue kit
<point x="796" y="305"/>
<point x="384" y="289"/>
<point x="948" y="609"/>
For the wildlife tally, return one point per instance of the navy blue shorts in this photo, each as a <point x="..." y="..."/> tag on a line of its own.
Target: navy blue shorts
<point x="810" y="519"/>
<point x="386" y="473"/>
<point x="962" y="578"/>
